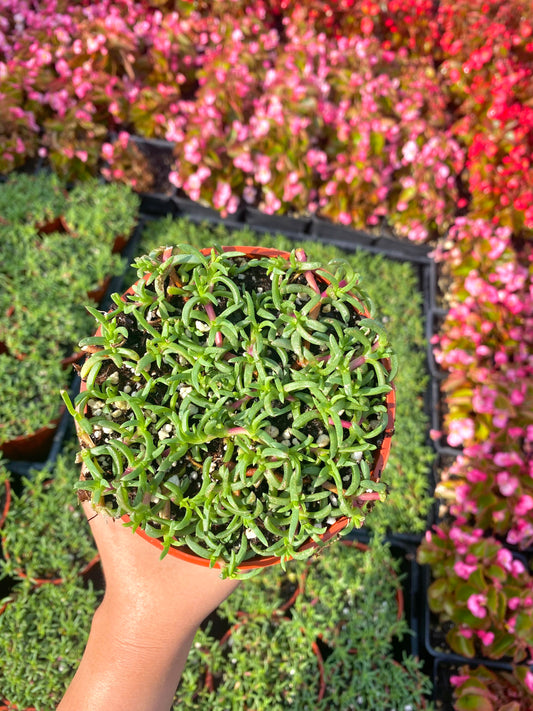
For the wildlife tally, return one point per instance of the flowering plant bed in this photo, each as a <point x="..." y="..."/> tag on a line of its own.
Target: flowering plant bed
<point x="261" y="397"/>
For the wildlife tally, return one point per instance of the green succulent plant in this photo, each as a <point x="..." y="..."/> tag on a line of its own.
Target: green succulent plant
<point x="253" y="659"/>
<point x="236" y="405"/>
<point x="408" y="471"/>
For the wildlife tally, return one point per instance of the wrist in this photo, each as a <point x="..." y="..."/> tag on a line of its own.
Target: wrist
<point x="128" y="665"/>
<point x="143" y="628"/>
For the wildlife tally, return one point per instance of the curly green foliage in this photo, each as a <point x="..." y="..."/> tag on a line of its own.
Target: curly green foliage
<point x="46" y="535"/>
<point x="220" y="370"/>
<point x="43" y="632"/>
<point x="46" y="282"/>
<point x="364" y="682"/>
<point x="406" y="474"/>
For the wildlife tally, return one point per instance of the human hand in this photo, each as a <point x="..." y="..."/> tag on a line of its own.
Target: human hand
<point x="142" y="632"/>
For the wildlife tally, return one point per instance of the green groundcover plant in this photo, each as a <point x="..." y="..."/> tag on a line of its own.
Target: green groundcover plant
<point x="283" y="660"/>
<point x="406" y="474"/>
<point x="235" y="404"/>
<point x="43" y="632"/>
<point x="32" y="199"/>
<point x="46" y="535"/>
<point x="47" y="279"/>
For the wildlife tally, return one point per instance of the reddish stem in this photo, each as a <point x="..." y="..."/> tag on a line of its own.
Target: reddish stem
<point x="238" y="403"/>
<point x="344" y="423"/>
<point x="356" y="362"/>
<point x="238" y="431"/>
<point x="210" y="311"/>
<point x="310" y="278"/>
<point x="368" y="496"/>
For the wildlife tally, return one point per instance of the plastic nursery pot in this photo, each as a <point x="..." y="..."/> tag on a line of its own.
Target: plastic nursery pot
<point x="56" y="225"/>
<point x="32" y="447"/>
<point x="34" y="581"/>
<point x="35" y="446"/>
<point x="84" y="573"/>
<point x="380" y="459"/>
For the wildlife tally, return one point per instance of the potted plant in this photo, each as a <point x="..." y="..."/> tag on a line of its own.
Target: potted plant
<point x="261" y="663"/>
<point x="45" y="537"/>
<point x="105" y="212"/>
<point x="480" y="594"/>
<point x="237" y="404"/>
<point x="37" y="199"/>
<point x="335" y="647"/>
<point x="40" y="327"/>
<point x="408" y="472"/>
<point x="336" y="595"/>
<point x="52" y="621"/>
<point x="370" y="680"/>
<point x="492" y="689"/>
<point x="29" y="408"/>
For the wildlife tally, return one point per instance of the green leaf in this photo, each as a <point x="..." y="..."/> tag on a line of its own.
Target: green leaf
<point x="461" y="644"/>
<point x="473" y="702"/>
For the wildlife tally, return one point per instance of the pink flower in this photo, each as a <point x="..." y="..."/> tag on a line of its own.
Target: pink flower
<point x="344" y="218"/>
<point x="108" y="151"/>
<point x="524" y="504"/>
<point x="513" y="603"/>
<point x="222" y="194"/>
<point x="517" y="397"/>
<point x="460" y="430"/>
<point x="507" y="459"/>
<point x="463" y="570"/>
<point x="409" y="151"/>
<point x="457" y="679"/>
<point x="476" y="475"/>
<point x="485" y="637"/>
<point x="517" y="568"/>
<point x="504" y="558"/>
<point x="507" y="483"/>
<point x="528" y="681"/>
<point x="476" y="604"/>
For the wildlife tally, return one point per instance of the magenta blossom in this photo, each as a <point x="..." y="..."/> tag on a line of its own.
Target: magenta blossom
<point x="476" y="604"/>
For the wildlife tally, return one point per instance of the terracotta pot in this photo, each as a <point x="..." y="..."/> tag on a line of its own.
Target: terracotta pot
<point x="35" y="446"/>
<point x="37" y="582"/>
<point x="56" y="225"/>
<point x="32" y="447"/>
<point x="99" y="293"/>
<point x="334" y="530"/>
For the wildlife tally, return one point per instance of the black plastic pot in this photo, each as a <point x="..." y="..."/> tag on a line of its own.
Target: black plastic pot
<point x="277" y="223"/>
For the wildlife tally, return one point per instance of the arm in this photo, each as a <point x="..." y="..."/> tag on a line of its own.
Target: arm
<point x="142" y="632"/>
